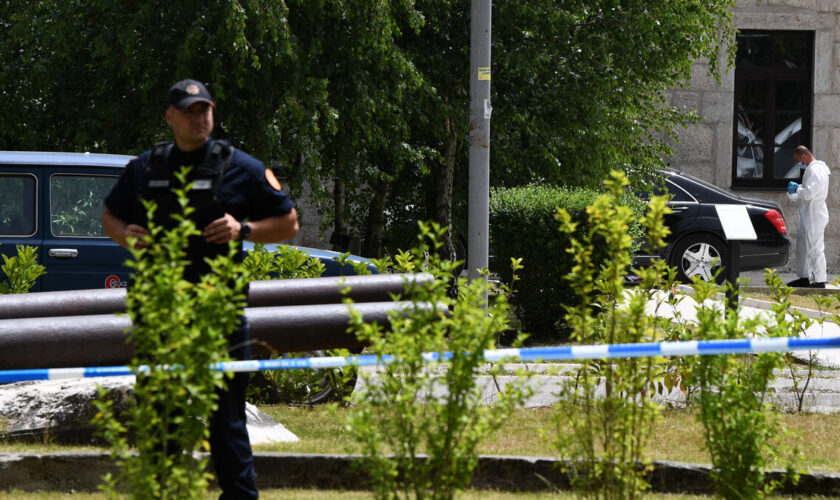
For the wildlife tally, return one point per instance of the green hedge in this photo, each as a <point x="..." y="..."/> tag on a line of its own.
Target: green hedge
<point x="522" y="225"/>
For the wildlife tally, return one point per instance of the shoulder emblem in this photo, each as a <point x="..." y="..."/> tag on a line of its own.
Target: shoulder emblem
<point x="272" y="180"/>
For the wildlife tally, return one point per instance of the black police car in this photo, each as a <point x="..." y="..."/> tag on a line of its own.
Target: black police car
<point x="54" y="201"/>
<point x="697" y="245"/>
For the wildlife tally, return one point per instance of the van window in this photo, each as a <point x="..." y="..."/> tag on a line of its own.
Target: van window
<point x="76" y="203"/>
<point x="17" y="205"/>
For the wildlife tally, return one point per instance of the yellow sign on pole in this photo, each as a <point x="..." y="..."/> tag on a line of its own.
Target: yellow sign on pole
<point x="483" y="73"/>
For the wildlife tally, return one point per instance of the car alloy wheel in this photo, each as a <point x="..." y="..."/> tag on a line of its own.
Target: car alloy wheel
<point x="700" y="255"/>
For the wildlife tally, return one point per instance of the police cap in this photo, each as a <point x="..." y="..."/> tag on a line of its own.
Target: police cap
<point x="187" y="92"/>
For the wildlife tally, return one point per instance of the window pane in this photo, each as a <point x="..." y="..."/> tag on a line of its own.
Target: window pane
<point x="784" y="166"/>
<point x="753" y="50"/>
<point x="791" y="50"/>
<point x="772" y="101"/>
<point x="750" y="161"/>
<point x="751" y="95"/>
<point x="749" y="145"/>
<point x="789" y="128"/>
<point x="788" y="96"/>
<point x="76" y="203"/>
<point x="17" y="205"/>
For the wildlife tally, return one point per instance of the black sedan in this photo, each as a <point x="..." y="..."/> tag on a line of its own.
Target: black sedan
<point x="697" y="245"/>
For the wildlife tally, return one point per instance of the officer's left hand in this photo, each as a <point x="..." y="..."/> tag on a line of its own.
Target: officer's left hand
<point x="222" y="230"/>
<point x="792" y="187"/>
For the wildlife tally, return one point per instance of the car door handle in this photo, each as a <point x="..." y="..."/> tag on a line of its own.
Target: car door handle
<point x="677" y="209"/>
<point x="63" y="253"/>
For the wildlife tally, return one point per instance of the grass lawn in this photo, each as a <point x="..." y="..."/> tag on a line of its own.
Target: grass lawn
<point x="678" y="436"/>
<point x="803" y="300"/>
<point x="339" y="495"/>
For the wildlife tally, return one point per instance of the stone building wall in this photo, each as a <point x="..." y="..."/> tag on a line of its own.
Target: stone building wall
<point x="705" y="149"/>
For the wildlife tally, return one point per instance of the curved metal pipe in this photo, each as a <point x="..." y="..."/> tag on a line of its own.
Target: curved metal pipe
<point x="299" y="291"/>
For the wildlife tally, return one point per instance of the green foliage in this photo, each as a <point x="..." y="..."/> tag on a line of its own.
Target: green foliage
<point x="607" y="431"/>
<point x="180" y="328"/>
<point x="282" y="263"/>
<point x="370" y="95"/>
<point x="581" y="83"/>
<point x="20" y="272"/>
<point x="792" y="322"/>
<point x="295" y="386"/>
<point x="578" y="89"/>
<point x="743" y="437"/>
<point x="359" y="268"/>
<point x="412" y="408"/>
<point x="522" y="225"/>
<point x="303" y="387"/>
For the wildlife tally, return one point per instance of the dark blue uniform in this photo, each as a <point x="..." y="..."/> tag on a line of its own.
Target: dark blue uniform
<point x="247" y="193"/>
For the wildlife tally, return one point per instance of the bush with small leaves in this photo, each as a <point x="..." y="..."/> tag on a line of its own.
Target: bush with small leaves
<point x="179" y="330"/>
<point x="419" y="425"/>
<point x="20" y="272"/>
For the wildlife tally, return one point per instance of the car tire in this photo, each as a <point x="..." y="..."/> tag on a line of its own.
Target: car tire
<point x="701" y="255"/>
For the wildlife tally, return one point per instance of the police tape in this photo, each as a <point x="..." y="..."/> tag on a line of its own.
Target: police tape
<point x="555" y="353"/>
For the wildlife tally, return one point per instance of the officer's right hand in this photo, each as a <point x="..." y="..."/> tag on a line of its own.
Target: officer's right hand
<point x="136" y="231"/>
<point x="792" y="187"/>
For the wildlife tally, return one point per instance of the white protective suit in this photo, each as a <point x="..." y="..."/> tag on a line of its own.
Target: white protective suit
<point x="813" y="217"/>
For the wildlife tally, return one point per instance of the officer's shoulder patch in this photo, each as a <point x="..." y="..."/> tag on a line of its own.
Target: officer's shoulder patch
<point x="272" y="180"/>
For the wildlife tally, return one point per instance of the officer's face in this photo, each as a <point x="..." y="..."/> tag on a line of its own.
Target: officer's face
<point x="192" y="125"/>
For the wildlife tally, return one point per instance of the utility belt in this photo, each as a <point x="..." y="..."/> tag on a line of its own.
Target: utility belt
<point x="204" y="197"/>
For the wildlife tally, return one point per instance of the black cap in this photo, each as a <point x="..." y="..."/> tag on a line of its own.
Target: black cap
<point x="187" y="92"/>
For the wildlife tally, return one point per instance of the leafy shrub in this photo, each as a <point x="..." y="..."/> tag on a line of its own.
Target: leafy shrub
<point x="20" y="272"/>
<point x="283" y="263"/>
<point x="605" y="414"/>
<point x="182" y="326"/>
<point x="522" y="225"/>
<point x="412" y="408"/>
<point x="295" y="386"/>
<point x="743" y="436"/>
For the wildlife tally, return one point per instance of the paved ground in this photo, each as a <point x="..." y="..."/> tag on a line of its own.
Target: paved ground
<point x="823" y="386"/>
<point x="756" y="278"/>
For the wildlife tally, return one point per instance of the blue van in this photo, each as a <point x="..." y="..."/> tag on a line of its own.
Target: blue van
<point x="54" y="201"/>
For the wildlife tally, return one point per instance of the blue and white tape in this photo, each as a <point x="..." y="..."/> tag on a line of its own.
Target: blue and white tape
<point x="559" y="353"/>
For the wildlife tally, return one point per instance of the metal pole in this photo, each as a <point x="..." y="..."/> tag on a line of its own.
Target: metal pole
<point x="479" y="177"/>
<point x="732" y="271"/>
<point x="288" y="292"/>
<point x="100" y="340"/>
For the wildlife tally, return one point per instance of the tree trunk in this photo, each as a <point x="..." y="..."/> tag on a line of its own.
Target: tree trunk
<point x="376" y="221"/>
<point x="339" y="228"/>
<point x="442" y="205"/>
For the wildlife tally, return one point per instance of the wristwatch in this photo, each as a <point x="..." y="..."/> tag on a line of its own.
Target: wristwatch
<point x="244" y="231"/>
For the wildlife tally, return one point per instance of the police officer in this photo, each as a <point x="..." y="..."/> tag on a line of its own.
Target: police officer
<point x="251" y="206"/>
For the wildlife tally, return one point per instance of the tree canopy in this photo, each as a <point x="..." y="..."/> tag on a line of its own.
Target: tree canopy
<point x="366" y="100"/>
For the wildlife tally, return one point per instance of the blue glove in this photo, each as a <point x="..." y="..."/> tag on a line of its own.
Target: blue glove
<point x="792" y="187"/>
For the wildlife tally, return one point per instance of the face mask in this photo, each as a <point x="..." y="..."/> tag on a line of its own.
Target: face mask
<point x="802" y="166"/>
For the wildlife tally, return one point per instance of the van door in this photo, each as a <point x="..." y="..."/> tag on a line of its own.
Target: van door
<point x="19" y="215"/>
<point x="76" y="251"/>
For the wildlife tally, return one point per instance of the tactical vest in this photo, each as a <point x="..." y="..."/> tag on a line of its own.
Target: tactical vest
<point x="205" y="197"/>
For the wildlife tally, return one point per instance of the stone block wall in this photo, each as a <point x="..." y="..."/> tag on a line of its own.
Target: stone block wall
<point x="705" y="149"/>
